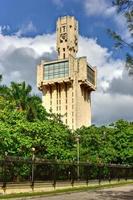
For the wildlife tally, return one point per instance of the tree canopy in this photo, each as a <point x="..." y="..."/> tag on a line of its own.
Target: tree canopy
<point x="20" y="130"/>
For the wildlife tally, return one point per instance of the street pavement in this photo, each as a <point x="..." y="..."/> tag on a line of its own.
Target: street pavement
<point x="117" y="193"/>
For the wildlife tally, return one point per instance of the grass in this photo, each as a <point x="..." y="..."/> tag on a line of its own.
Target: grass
<point x="67" y="190"/>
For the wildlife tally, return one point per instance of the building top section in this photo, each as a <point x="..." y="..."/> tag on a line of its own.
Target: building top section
<point x="64" y="70"/>
<point x="67" y="37"/>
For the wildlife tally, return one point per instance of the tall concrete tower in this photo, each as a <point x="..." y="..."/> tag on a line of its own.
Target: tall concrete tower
<point x="67" y="83"/>
<point x="67" y="37"/>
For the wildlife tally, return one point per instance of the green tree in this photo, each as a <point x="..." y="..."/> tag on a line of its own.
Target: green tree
<point x="122" y="140"/>
<point x="17" y="136"/>
<point x="3" y="88"/>
<point x="111" y="144"/>
<point x="95" y="144"/>
<point x="4" y="101"/>
<point x="19" y="94"/>
<point x="21" y="129"/>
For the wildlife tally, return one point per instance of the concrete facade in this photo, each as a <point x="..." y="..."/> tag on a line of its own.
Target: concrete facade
<point x="67" y="83"/>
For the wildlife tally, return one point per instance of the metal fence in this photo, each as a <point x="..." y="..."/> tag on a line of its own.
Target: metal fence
<point x="19" y="170"/>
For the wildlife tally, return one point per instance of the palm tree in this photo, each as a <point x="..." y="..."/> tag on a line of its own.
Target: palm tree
<point x="33" y="106"/>
<point x="3" y="89"/>
<point x="20" y="95"/>
<point x="3" y="94"/>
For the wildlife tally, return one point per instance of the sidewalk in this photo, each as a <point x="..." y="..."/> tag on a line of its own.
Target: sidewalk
<point x="117" y="193"/>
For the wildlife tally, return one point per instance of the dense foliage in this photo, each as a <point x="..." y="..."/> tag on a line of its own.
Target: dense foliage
<point x="24" y="124"/>
<point x="112" y="144"/>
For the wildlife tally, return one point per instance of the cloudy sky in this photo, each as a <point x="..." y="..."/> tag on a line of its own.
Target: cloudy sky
<point x="27" y="35"/>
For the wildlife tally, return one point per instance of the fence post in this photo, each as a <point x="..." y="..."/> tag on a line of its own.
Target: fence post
<point x="118" y="171"/>
<point x="72" y="174"/>
<point x="4" y="173"/>
<point x="87" y="174"/>
<point x="109" y="177"/>
<point x="54" y="175"/>
<point x="99" y="176"/>
<point x="126" y="174"/>
<point x="33" y="166"/>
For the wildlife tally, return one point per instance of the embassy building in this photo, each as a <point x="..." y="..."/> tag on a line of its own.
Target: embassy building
<point x="67" y="83"/>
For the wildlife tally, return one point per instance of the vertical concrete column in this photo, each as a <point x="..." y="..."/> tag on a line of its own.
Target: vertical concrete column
<point x="63" y="103"/>
<point x="46" y="98"/>
<point x="54" y="99"/>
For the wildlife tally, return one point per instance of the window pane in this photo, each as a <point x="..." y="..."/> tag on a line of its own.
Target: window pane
<point x="90" y="75"/>
<point x="56" y="70"/>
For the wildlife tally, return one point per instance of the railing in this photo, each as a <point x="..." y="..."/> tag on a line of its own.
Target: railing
<point x="17" y="170"/>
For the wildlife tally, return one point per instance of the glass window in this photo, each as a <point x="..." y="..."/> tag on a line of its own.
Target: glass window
<point x="57" y="70"/>
<point x="90" y="75"/>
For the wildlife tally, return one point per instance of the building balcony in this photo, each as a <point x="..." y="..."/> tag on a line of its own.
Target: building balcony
<point x="87" y="84"/>
<point x="45" y="83"/>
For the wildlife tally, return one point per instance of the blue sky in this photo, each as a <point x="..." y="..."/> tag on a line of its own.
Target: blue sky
<point x="44" y="13"/>
<point x="27" y="35"/>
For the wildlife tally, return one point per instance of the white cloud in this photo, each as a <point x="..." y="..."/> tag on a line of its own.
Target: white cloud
<point x="20" y="55"/>
<point x="105" y="10"/>
<point x="121" y="85"/>
<point x="4" y="28"/>
<point x="96" y="7"/>
<point x="107" y="108"/>
<point x="90" y="48"/>
<point x="99" y="56"/>
<point x="1" y="69"/>
<point x="114" y="96"/>
<point x="40" y="44"/>
<point x="26" y="28"/>
<point x="14" y="76"/>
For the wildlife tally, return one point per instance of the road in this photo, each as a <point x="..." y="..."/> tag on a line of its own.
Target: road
<point x="117" y="193"/>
